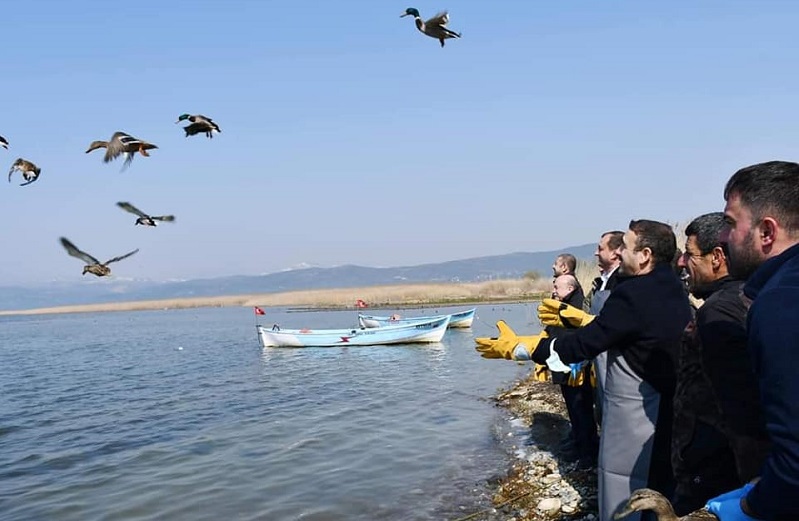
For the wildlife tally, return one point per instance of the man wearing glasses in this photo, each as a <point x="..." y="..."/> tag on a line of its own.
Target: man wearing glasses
<point x="719" y="439"/>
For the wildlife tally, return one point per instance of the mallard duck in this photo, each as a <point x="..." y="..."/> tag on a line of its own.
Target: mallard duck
<point x="435" y="27"/>
<point x="122" y="144"/>
<point x="648" y="499"/>
<point x="199" y="124"/>
<point x="144" y="219"/>
<point x="3" y="142"/>
<point x="30" y="172"/>
<point x="93" y="266"/>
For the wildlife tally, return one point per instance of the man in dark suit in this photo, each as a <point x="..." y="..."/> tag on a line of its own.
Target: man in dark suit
<point x="640" y="327"/>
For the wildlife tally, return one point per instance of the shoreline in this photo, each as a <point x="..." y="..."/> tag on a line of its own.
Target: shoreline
<point x="538" y="485"/>
<point x="396" y="296"/>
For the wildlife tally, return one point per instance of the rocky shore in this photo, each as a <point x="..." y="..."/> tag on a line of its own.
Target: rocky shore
<point x="539" y="485"/>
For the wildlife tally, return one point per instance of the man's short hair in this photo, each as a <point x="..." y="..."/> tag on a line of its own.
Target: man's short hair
<point x="707" y="230"/>
<point x="658" y="237"/>
<point x="569" y="260"/>
<point x="615" y="239"/>
<point x="768" y="188"/>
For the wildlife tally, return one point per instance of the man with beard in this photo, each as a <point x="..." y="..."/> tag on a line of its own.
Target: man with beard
<point x="762" y="235"/>
<point x="719" y="439"/>
<point x="640" y="327"/>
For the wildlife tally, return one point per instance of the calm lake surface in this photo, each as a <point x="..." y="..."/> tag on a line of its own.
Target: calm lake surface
<point x="181" y="415"/>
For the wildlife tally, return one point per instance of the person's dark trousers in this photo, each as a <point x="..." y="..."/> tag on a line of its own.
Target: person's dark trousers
<point x="580" y="406"/>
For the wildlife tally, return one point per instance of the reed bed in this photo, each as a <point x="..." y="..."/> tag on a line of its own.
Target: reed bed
<point x="342" y="298"/>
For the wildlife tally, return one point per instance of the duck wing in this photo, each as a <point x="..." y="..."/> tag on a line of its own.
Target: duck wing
<point x="75" y="252"/>
<point x="165" y="218"/>
<point x="33" y="178"/>
<point x="132" y="209"/>
<point x="13" y="168"/>
<point x="440" y="19"/>
<point x="197" y="128"/>
<point x="119" y="144"/>
<point x="116" y="259"/>
<point x="3" y="142"/>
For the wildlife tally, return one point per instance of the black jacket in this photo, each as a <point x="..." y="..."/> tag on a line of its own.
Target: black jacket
<point x="719" y="440"/>
<point x="643" y="318"/>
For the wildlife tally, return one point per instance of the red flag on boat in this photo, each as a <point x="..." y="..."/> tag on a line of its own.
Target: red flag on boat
<point x="360" y="304"/>
<point x="259" y="311"/>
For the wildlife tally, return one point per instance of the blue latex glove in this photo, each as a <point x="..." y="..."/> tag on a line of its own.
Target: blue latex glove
<point x="727" y="507"/>
<point x="738" y="493"/>
<point x="728" y="510"/>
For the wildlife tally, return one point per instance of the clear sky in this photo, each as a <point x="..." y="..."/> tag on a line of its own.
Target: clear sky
<point x="350" y="137"/>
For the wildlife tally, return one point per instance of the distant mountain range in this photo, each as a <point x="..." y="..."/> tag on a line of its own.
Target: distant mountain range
<point x="511" y="265"/>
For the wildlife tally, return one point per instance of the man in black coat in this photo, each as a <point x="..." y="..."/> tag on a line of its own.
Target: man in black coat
<point x="719" y="439"/>
<point x="640" y="327"/>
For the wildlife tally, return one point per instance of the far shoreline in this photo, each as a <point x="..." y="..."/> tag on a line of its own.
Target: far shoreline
<point x="395" y="296"/>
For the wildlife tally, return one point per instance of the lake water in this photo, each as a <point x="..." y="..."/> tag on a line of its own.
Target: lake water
<point x="181" y="415"/>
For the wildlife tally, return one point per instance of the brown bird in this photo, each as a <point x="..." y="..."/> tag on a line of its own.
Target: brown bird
<point x="29" y="171"/>
<point x="93" y="266"/>
<point x="3" y="142"/>
<point x="648" y="499"/>
<point x="124" y="145"/>
<point x="144" y="219"/>
<point x="199" y="124"/>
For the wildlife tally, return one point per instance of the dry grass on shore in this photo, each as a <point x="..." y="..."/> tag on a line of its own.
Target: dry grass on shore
<point x="376" y="296"/>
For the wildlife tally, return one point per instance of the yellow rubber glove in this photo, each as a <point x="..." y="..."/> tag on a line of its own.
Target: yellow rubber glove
<point x="553" y="312"/>
<point x="541" y="373"/>
<point x="504" y="345"/>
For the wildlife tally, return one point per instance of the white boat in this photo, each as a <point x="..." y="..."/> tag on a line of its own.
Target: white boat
<point x="416" y="332"/>
<point x="459" y="319"/>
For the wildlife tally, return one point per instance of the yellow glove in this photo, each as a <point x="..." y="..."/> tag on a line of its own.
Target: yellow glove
<point x="553" y="312"/>
<point x="504" y="345"/>
<point x="541" y="373"/>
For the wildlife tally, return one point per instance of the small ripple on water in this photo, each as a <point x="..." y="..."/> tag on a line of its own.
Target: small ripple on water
<point x="224" y="429"/>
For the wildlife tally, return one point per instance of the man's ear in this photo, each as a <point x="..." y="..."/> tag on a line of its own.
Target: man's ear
<point x="768" y="231"/>
<point x="719" y="258"/>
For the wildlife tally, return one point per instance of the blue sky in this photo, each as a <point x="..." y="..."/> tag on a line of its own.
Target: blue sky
<point x="349" y="137"/>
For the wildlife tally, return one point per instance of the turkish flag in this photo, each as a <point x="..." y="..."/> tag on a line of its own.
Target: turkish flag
<point x="360" y="304"/>
<point x="259" y="311"/>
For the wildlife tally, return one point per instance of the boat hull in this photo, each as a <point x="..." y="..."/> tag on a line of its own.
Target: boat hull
<point x="457" y="320"/>
<point x="417" y="332"/>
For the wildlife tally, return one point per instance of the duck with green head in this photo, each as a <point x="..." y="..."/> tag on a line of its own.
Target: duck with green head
<point x="199" y="124"/>
<point x="435" y="27"/>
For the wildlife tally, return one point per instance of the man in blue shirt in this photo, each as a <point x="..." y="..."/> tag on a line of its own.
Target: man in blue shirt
<point x="762" y="235"/>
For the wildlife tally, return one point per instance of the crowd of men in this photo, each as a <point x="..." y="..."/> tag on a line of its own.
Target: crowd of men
<point x="697" y="402"/>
